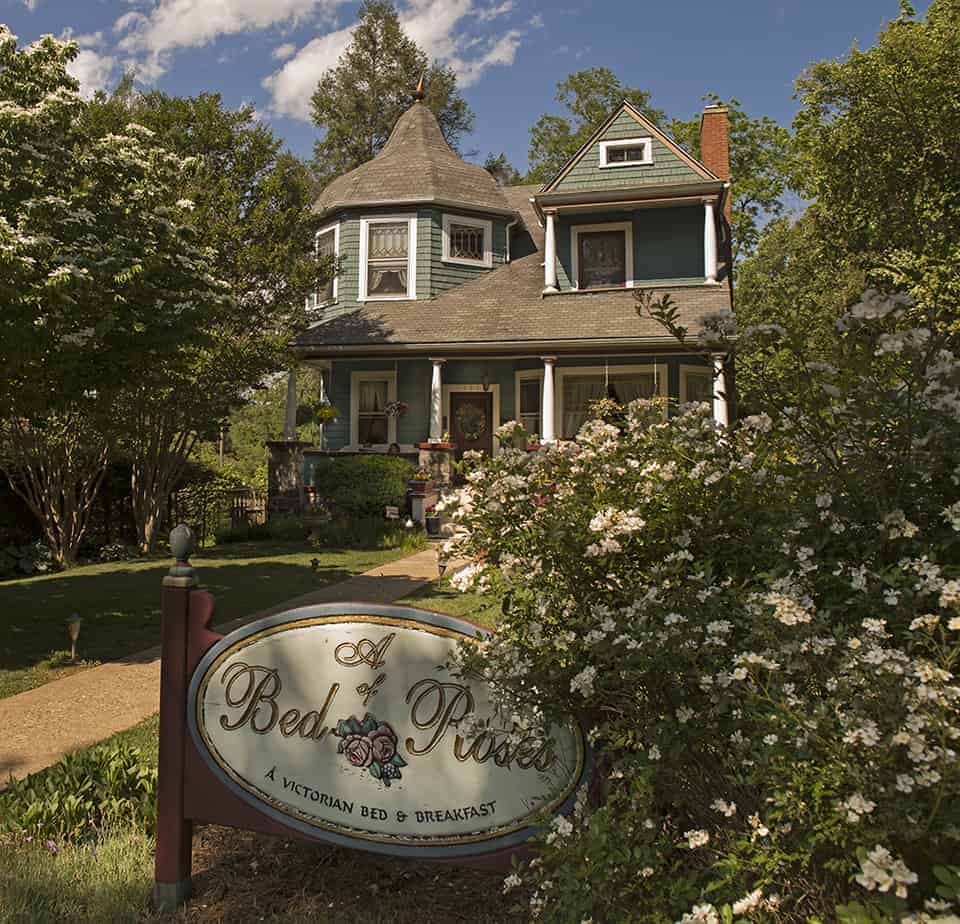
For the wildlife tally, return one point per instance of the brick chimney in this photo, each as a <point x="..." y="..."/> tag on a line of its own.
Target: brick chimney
<point x="715" y="144"/>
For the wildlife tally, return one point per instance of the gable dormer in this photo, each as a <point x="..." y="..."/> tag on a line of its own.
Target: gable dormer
<point x="632" y="208"/>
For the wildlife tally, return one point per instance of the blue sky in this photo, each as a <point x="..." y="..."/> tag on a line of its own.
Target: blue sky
<point x="509" y="53"/>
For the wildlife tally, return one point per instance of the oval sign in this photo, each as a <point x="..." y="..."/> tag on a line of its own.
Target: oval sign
<point x="343" y="722"/>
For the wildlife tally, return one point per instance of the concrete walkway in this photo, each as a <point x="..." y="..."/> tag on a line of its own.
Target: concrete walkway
<point x="40" y="726"/>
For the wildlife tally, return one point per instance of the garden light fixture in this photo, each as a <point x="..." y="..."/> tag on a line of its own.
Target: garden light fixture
<point x="73" y="629"/>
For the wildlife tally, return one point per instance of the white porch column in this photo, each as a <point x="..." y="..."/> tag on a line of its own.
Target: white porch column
<point x="290" y="416"/>
<point x="436" y="402"/>
<point x="550" y="255"/>
<point x="720" y="411"/>
<point x="709" y="242"/>
<point x="546" y="411"/>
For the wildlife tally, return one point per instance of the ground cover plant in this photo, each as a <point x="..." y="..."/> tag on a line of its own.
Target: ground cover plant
<point x="760" y="628"/>
<point x="120" y="603"/>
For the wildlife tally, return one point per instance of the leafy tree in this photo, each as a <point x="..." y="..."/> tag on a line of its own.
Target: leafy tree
<point x="589" y="96"/>
<point x="101" y="277"/>
<point x="760" y="163"/>
<point x="251" y="206"/>
<point x="877" y="149"/>
<point x="502" y="170"/>
<point x="358" y="102"/>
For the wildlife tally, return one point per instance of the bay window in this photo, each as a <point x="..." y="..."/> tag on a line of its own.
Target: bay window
<point x="327" y="249"/>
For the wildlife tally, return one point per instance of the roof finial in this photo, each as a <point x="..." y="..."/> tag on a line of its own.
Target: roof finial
<point x="418" y="93"/>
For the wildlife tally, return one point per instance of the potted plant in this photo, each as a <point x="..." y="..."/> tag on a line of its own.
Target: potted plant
<point x="418" y="484"/>
<point x="432" y="521"/>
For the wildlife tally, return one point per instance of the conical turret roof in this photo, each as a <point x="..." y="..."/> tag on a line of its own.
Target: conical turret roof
<point x="416" y="165"/>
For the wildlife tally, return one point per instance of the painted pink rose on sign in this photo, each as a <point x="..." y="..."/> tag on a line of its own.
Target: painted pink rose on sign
<point x="370" y="745"/>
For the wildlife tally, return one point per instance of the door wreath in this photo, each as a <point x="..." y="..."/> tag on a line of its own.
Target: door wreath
<point x="472" y="422"/>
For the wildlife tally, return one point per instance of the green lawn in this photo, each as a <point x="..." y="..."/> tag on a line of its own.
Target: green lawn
<point x="244" y="877"/>
<point x="120" y="602"/>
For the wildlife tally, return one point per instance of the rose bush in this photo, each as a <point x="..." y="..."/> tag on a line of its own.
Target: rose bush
<point x="760" y="627"/>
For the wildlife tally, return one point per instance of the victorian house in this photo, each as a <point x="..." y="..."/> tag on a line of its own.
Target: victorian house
<point x="464" y="304"/>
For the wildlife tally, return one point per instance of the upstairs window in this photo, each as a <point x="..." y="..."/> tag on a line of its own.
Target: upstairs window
<point x="467" y="241"/>
<point x="626" y="152"/>
<point x="327" y="249"/>
<point x="388" y="258"/>
<point x="602" y="255"/>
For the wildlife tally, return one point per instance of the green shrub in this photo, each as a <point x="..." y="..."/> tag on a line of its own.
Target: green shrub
<point x="368" y="533"/>
<point x="80" y="795"/>
<point x="243" y="532"/>
<point x="362" y="485"/>
<point x="286" y="528"/>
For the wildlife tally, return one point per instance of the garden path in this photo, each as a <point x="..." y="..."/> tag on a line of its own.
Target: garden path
<point x="40" y="726"/>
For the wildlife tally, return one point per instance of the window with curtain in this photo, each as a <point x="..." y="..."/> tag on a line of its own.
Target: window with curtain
<point x="371" y="411"/>
<point x="326" y="250"/>
<point x="530" y="405"/>
<point x="698" y="386"/>
<point x="580" y="391"/>
<point x="387" y="252"/>
<point x="602" y="259"/>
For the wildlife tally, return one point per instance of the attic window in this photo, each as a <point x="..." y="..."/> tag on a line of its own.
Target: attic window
<point x="467" y="241"/>
<point x="626" y="152"/>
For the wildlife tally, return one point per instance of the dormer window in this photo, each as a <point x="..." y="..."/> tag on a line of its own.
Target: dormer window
<point x="626" y="152"/>
<point x="388" y="248"/>
<point x="467" y="241"/>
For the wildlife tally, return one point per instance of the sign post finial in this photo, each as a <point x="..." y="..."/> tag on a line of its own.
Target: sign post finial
<point x="418" y="94"/>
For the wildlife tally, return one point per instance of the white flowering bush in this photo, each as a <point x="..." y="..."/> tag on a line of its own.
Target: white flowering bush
<point x="759" y="627"/>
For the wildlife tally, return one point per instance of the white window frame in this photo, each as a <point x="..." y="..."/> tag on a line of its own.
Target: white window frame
<point x="365" y="223"/>
<point x="561" y="372"/>
<point x="335" y="228"/>
<point x="577" y="230"/>
<point x="647" y="144"/>
<point x="372" y="375"/>
<point x="689" y="369"/>
<point x="527" y="375"/>
<point x="485" y="225"/>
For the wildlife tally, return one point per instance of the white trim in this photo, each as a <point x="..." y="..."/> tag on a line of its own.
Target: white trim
<point x="527" y="375"/>
<point x="627" y="143"/>
<point x="371" y="375"/>
<point x="577" y="230"/>
<point x="493" y="387"/>
<point x="365" y="223"/>
<point x="688" y="369"/>
<point x="486" y="226"/>
<point x="326" y="229"/>
<point x="659" y="371"/>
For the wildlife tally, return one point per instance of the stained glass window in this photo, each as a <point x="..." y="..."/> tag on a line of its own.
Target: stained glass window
<point x="387" y="252"/>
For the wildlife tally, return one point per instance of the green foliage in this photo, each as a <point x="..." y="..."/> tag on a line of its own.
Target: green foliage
<point x="589" y="97"/>
<point x="358" y="101"/>
<point x="76" y="798"/>
<point x="20" y="560"/>
<point x="362" y="485"/>
<point x="203" y="503"/>
<point x="287" y="528"/>
<point x="367" y="533"/>
<point x="245" y="532"/>
<point x="760" y="169"/>
<point x="876" y="140"/>
<point x="502" y="170"/>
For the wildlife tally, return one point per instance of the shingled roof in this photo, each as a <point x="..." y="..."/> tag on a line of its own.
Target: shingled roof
<point x="506" y="309"/>
<point x="415" y="165"/>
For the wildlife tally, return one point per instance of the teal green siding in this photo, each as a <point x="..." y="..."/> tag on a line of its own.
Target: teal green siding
<point x="447" y="275"/>
<point x="667" y="167"/>
<point x="667" y="244"/>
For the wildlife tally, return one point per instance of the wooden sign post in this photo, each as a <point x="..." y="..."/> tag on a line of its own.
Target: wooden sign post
<point x="344" y="723"/>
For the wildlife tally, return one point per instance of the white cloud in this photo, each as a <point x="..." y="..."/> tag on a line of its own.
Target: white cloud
<point x="282" y="52"/>
<point x="31" y="4"/>
<point x="90" y="67"/>
<point x="439" y="27"/>
<point x="174" y="24"/>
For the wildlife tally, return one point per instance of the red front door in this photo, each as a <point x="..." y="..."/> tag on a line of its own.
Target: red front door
<point x="471" y="421"/>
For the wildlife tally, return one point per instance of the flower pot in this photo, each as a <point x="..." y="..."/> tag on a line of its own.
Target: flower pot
<point x="433" y="526"/>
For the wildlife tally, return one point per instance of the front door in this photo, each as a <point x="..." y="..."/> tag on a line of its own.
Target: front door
<point x="471" y="420"/>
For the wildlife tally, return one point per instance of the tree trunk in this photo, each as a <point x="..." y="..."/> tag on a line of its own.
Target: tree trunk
<point x="160" y="456"/>
<point x="57" y="467"/>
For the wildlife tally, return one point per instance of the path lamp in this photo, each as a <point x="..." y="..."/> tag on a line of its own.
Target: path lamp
<point x="442" y="562"/>
<point x="314" y="564"/>
<point x="73" y="630"/>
